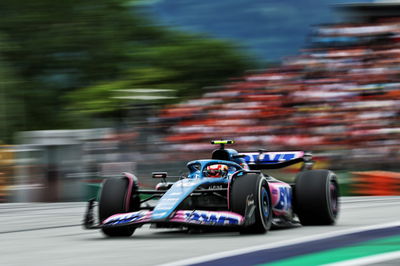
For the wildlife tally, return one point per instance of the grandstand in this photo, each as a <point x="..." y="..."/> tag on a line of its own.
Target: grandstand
<point x="340" y="97"/>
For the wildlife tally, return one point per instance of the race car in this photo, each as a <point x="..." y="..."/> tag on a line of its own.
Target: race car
<point x="230" y="190"/>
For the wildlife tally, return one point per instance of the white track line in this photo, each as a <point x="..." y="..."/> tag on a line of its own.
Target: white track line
<point x="368" y="199"/>
<point x="368" y="260"/>
<point x="373" y="204"/>
<point x="279" y="244"/>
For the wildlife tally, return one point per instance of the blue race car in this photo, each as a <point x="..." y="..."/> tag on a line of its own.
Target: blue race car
<point x="228" y="190"/>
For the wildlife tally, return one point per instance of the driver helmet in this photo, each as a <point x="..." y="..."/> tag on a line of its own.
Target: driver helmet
<point x="216" y="170"/>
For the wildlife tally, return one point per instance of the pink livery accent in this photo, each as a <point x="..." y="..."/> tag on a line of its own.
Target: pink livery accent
<point x="208" y="217"/>
<point x="281" y="196"/>
<point x="129" y="217"/>
<point x="131" y="180"/>
<point x="217" y="218"/>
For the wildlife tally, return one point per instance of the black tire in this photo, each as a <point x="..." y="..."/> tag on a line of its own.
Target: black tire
<point x="252" y="186"/>
<point x="112" y="201"/>
<point x="316" y="197"/>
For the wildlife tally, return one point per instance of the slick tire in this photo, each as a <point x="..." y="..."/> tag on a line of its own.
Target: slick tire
<point x="112" y="201"/>
<point x="252" y="187"/>
<point x="316" y="197"/>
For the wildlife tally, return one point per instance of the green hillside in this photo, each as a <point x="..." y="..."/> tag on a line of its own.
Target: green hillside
<point x="271" y="29"/>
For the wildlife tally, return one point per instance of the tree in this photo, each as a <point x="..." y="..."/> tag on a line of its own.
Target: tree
<point x="12" y="113"/>
<point x="74" y="56"/>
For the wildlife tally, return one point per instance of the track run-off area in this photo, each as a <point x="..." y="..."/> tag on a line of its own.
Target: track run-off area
<point x="367" y="233"/>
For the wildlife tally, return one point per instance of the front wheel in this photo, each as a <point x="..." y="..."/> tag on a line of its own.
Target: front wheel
<point x="250" y="192"/>
<point x="317" y="197"/>
<point x="116" y="198"/>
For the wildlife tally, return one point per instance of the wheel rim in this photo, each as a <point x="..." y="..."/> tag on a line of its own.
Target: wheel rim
<point x="333" y="197"/>
<point x="265" y="203"/>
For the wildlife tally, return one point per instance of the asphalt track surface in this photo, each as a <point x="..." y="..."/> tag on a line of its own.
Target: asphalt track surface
<point x="51" y="234"/>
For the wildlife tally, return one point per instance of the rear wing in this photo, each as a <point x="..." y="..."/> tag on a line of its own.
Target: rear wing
<point x="273" y="160"/>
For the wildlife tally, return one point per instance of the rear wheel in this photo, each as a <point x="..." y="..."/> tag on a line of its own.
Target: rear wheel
<point x="317" y="197"/>
<point x="252" y="190"/>
<point x="113" y="200"/>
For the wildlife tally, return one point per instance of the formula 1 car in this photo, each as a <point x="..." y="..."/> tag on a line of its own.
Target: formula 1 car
<point x="228" y="190"/>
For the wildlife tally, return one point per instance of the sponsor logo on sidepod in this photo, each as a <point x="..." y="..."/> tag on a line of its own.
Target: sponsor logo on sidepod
<point x="285" y="202"/>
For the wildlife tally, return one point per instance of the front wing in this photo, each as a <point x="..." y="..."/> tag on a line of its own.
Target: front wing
<point x="183" y="217"/>
<point x="198" y="217"/>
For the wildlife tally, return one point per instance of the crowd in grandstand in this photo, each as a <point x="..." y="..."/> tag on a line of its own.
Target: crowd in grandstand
<point x="339" y="98"/>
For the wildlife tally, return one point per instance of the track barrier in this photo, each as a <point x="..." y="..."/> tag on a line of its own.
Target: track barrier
<point x="376" y="183"/>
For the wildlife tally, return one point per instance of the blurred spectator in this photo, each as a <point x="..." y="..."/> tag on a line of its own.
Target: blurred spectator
<point x="340" y="98"/>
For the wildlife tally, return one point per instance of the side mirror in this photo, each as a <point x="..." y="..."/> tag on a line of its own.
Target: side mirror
<point x="162" y="175"/>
